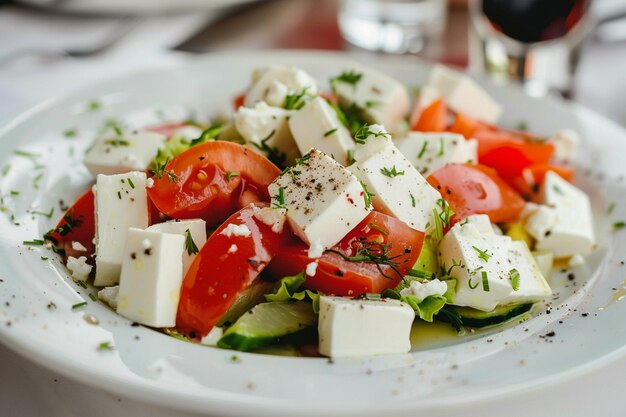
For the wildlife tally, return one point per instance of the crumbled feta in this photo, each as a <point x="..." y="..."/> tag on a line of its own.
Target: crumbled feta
<point x="79" y="268"/>
<point x="273" y="84"/>
<point x="566" y="143"/>
<point x="213" y="336"/>
<point x="316" y="250"/>
<point x="273" y="217"/>
<point x="109" y="296"/>
<point x="233" y="249"/>
<point x="77" y="246"/>
<point x="422" y="290"/>
<point x="576" y="261"/>
<point x="240" y="230"/>
<point x="311" y="268"/>
<point x="149" y="183"/>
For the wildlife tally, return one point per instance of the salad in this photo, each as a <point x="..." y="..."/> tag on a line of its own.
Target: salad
<point x="328" y="219"/>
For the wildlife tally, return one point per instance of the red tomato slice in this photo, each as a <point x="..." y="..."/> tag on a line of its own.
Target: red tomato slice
<point x="212" y="181"/>
<point x="509" y="154"/>
<point x="219" y="273"/>
<point x="476" y="189"/>
<point x="529" y="183"/>
<point x="467" y="126"/>
<point x="336" y="275"/>
<point x="77" y="225"/>
<point x="433" y="118"/>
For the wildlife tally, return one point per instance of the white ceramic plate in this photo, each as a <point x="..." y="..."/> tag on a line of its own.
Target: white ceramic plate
<point x="439" y="376"/>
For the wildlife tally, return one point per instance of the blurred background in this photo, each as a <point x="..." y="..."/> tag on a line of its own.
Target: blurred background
<point x="570" y="48"/>
<point x="576" y="48"/>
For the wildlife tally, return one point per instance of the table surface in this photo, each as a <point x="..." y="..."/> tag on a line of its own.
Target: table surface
<point x="29" y="390"/>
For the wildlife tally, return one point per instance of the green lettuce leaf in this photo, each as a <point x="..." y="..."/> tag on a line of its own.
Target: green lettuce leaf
<point x="427" y="307"/>
<point x="287" y="290"/>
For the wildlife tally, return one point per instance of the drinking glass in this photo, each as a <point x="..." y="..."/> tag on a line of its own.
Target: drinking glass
<point x="396" y="26"/>
<point x="535" y="42"/>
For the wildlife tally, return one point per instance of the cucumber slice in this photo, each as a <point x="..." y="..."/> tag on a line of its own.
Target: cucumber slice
<point x="268" y="323"/>
<point x="251" y="296"/>
<point x="476" y="318"/>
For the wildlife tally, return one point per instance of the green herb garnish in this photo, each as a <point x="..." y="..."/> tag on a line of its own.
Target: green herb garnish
<point x="330" y="132"/>
<point x="190" y="245"/>
<point x="391" y="172"/>
<point x="79" y="305"/>
<point x="482" y="254"/>
<point x="367" y="196"/>
<point x="515" y="279"/>
<point x="485" y="281"/>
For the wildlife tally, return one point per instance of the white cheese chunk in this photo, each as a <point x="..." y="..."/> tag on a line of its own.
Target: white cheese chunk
<point x="324" y="201"/>
<point x="382" y="99"/>
<point x="317" y="125"/>
<point x="423" y="289"/>
<point x="114" y="154"/>
<point x="188" y="132"/>
<point x="566" y="143"/>
<point x="464" y="95"/>
<point x="265" y="125"/>
<point x="430" y="151"/>
<point x="197" y="232"/>
<point x="151" y="277"/>
<point x="240" y="230"/>
<point x="109" y="296"/>
<point x="564" y="224"/>
<point x="79" y="268"/>
<point x="484" y="264"/>
<point x="352" y="328"/>
<point x="213" y="336"/>
<point x="273" y="84"/>
<point x="121" y="202"/>
<point x="545" y="261"/>
<point x="398" y="188"/>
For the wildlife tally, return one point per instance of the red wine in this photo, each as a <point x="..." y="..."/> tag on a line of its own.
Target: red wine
<point x="532" y="21"/>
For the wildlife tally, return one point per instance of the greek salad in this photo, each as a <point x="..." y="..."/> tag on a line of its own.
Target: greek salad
<point x="329" y="219"/>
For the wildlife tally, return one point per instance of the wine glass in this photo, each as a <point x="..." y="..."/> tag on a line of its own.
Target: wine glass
<point x="535" y="42"/>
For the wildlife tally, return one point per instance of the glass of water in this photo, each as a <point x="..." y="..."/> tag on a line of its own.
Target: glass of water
<point x="395" y="26"/>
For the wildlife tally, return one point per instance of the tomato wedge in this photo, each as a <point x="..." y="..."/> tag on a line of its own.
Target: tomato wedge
<point x="509" y="153"/>
<point x="476" y="189"/>
<point x="380" y="235"/>
<point x="77" y="225"/>
<point x="212" y="181"/>
<point x="226" y="265"/>
<point x="467" y="126"/>
<point x="529" y="183"/>
<point x="433" y="118"/>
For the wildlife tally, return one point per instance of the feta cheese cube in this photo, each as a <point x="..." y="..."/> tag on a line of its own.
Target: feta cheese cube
<point x="566" y="143"/>
<point x="352" y="328"/>
<point x="273" y="84"/>
<point x="464" y="95"/>
<point x="483" y="263"/>
<point x="265" y="125"/>
<point x="398" y="188"/>
<point x="324" y="201"/>
<point x="382" y="99"/>
<point x="121" y="202"/>
<point x="116" y="154"/>
<point x="152" y="274"/>
<point x="316" y="125"/>
<point x="197" y="232"/>
<point x="564" y="225"/>
<point x="428" y="152"/>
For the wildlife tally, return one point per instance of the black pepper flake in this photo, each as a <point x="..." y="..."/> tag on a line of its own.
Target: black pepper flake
<point x="548" y="233"/>
<point x="621" y="262"/>
<point x="133" y="255"/>
<point x="585" y="314"/>
<point x="148" y="251"/>
<point x="571" y="276"/>
<point x="407" y="250"/>
<point x="202" y="158"/>
<point x="192" y="334"/>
